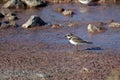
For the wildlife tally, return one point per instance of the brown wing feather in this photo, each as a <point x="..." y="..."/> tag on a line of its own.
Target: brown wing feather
<point x="77" y="39"/>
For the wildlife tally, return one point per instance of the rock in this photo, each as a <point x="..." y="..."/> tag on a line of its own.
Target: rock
<point x="5" y="11"/>
<point x="14" y="4"/>
<point x="56" y="26"/>
<point x="3" y="1"/>
<point x="0" y="23"/>
<point x="33" y="21"/>
<point x="93" y="28"/>
<point x="13" y="24"/>
<point x="114" y="24"/>
<point x="67" y="12"/>
<point x="1" y="15"/>
<point x="60" y="10"/>
<point x="85" y="70"/>
<point x="34" y="3"/>
<point x="7" y="24"/>
<point x="4" y="25"/>
<point x="72" y="24"/>
<point x="42" y="75"/>
<point x="11" y="17"/>
<point x="101" y="23"/>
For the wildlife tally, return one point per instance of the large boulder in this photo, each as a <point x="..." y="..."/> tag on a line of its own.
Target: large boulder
<point x="14" y="4"/>
<point x="33" y="21"/>
<point x="34" y="3"/>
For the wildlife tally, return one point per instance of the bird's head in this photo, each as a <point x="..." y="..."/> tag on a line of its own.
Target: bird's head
<point x="69" y="35"/>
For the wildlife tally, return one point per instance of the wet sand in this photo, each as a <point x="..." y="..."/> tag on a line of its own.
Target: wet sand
<point x="25" y="52"/>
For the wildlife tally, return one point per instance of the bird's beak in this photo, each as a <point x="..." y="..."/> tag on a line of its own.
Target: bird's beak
<point x="65" y="36"/>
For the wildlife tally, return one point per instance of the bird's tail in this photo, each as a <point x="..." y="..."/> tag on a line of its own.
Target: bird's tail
<point x="90" y="42"/>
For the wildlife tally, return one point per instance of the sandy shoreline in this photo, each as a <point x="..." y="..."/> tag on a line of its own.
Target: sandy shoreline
<point x="18" y="61"/>
<point x="59" y="65"/>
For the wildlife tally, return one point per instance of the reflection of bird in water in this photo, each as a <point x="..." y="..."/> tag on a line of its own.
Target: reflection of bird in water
<point x="85" y="1"/>
<point x="75" y="40"/>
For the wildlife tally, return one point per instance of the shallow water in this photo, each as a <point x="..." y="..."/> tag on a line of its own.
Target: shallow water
<point x="83" y="15"/>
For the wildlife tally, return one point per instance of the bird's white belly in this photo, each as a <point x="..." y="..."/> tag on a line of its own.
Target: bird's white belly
<point x="75" y="43"/>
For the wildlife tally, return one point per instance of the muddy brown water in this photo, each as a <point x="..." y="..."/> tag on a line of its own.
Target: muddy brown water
<point x="54" y="38"/>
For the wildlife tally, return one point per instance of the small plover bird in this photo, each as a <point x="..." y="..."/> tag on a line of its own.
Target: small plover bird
<point x="85" y="1"/>
<point x="75" y="40"/>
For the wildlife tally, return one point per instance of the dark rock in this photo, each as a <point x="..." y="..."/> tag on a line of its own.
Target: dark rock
<point x="34" y="21"/>
<point x="0" y="23"/>
<point x="1" y="15"/>
<point x="101" y="23"/>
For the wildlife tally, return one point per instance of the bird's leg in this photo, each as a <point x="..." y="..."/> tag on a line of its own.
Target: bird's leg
<point x="75" y="49"/>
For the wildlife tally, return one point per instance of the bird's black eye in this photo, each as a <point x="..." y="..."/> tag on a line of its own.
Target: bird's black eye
<point x="68" y="35"/>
